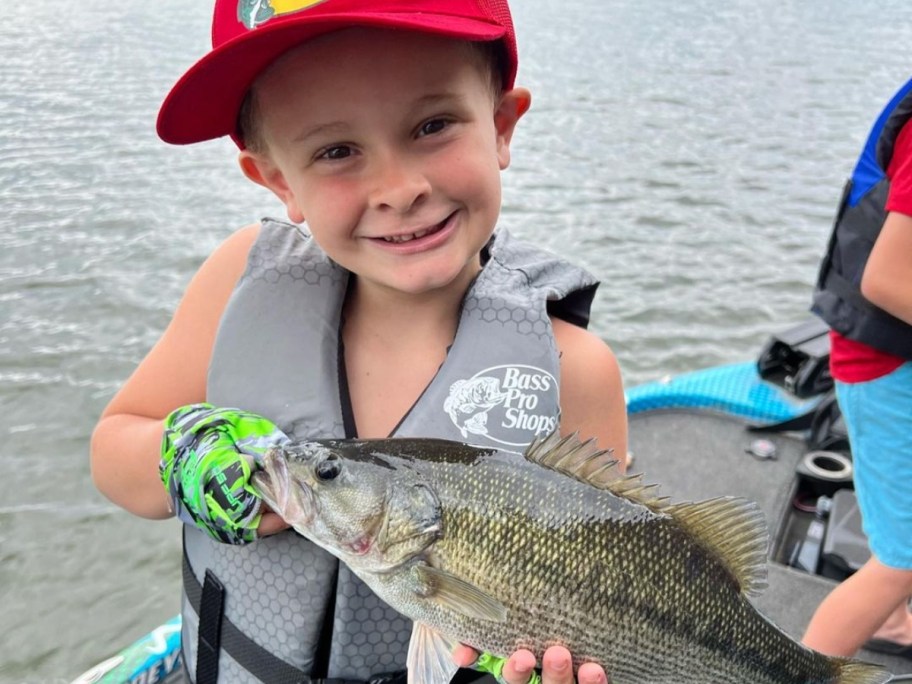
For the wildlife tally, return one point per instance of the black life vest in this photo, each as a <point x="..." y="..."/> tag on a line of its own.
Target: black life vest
<point x="837" y="297"/>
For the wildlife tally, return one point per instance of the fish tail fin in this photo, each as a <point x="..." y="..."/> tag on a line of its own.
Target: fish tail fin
<point x="858" y="672"/>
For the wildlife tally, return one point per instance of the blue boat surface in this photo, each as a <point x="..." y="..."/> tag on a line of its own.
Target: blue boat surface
<point x="153" y="659"/>
<point x="766" y="430"/>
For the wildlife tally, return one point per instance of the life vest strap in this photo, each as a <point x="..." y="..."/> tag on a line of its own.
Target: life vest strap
<point x="212" y="601"/>
<point x="217" y="632"/>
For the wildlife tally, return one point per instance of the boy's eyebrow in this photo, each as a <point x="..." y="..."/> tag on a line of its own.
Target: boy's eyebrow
<point x="435" y="98"/>
<point x="337" y="127"/>
<point x="333" y="127"/>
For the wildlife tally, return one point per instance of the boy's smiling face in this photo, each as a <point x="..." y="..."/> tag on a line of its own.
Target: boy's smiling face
<point x="390" y="146"/>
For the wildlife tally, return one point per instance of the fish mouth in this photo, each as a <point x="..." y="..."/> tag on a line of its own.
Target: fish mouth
<point x="291" y="499"/>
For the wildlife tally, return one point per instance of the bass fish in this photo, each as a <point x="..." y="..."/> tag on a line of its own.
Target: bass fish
<point x="500" y="552"/>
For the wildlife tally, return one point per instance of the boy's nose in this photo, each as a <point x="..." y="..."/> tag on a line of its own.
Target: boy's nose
<point x="398" y="185"/>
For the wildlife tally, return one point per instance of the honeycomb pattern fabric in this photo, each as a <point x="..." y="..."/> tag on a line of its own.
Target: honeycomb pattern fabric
<point x="267" y="266"/>
<point x="276" y="355"/>
<point x="501" y="382"/>
<point x="277" y="590"/>
<point x="369" y="636"/>
<point x="279" y="329"/>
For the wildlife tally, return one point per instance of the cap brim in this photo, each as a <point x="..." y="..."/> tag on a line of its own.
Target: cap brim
<point x="204" y="103"/>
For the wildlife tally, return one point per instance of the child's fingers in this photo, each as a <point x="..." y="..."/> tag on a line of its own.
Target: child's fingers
<point x="271" y="523"/>
<point x="557" y="666"/>
<point x="519" y="667"/>
<point x="590" y="673"/>
<point x="464" y="656"/>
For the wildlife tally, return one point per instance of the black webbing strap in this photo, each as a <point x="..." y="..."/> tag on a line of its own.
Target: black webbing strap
<point x="218" y="632"/>
<point x="212" y="600"/>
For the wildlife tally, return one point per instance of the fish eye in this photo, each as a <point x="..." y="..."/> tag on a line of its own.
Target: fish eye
<point x="329" y="468"/>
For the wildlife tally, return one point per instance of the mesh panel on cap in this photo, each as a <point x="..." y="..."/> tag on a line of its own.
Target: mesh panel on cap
<point x="499" y="10"/>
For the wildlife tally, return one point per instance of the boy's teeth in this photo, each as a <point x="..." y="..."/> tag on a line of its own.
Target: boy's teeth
<point x="406" y="238"/>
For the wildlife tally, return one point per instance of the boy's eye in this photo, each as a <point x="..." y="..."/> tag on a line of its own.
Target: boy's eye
<point x="433" y="126"/>
<point x="336" y="152"/>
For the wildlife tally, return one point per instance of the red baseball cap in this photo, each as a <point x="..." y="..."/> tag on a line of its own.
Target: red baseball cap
<point x="248" y="35"/>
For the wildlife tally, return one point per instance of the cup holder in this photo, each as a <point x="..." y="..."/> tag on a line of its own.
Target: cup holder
<point x="825" y="472"/>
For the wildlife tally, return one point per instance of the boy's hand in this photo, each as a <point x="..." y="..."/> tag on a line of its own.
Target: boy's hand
<point x="208" y="455"/>
<point x="519" y="668"/>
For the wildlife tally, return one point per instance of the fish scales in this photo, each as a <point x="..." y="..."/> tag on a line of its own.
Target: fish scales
<point x="619" y="580"/>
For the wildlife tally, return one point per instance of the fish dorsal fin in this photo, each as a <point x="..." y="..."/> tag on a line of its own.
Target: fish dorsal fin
<point x="584" y="461"/>
<point x="731" y="527"/>
<point x="735" y="529"/>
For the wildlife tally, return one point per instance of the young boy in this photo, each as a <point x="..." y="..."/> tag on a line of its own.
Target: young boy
<point x="383" y="125"/>
<point x="865" y="294"/>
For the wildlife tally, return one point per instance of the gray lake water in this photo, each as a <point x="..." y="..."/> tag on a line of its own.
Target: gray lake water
<point x="690" y="152"/>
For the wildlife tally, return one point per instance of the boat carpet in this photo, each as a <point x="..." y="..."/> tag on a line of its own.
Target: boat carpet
<point x="695" y="455"/>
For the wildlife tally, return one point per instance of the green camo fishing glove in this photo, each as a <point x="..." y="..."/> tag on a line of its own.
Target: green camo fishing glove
<point x="494" y="665"/>
<point x="208" y="455"/>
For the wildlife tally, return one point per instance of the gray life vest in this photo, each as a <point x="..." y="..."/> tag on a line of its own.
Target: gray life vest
<point x="277" y="353"/>
<point x="861" y="215"/>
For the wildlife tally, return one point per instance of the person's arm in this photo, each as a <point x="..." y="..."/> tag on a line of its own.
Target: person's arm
<point x="592" y="392"/>
<point x="126" y="442"/>
<point x="887" y="278"/>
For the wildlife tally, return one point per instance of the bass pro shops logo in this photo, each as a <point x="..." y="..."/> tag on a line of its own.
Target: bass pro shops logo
<point x="252" y="13"/>
<point x="504" y="404"/>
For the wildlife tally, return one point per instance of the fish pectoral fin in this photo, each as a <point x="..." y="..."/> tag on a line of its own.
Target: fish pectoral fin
<point x="456" y="594"/>
<point x="430" y="656"/>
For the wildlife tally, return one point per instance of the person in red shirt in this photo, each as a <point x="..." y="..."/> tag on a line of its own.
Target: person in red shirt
<point x="871" y="362"/>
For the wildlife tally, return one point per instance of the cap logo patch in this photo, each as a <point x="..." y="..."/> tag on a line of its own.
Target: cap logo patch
<point x="253" y="13"/>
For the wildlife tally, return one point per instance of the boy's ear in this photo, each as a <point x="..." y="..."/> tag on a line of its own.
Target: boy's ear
<point x="263" y="171"/>
<point x="513" y="104"/>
